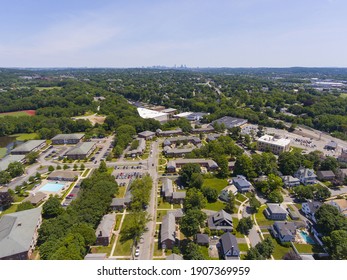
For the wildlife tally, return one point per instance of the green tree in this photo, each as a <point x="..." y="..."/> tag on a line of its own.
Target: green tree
<point x="187" y="171"/>
<point x="330" y="219"/>
<point x="135" y="226"/>
<point x="337" y="244"/>
<point x="211" y="194"/>
<point x="65" y="166"/>
<point x="244" y="226"/>
<point x="24" y="206"/>
<point x="254" y="204"/>
<point x="289" y="162"/>
<point x="15" y="169"/>
<point x="52" y="208"/>
<point x="275" y="196"/>
<point x="265" y="248"/>
<point x="193" y="252"/>
<point x="32" y="157"/>
<point x="196" y="181"/>
<point x="194" y="200"/>
<point x="244" y="166"/>
<point x="253" y="254"/>
<point x="82" y="166"/>
<point x="5" y="177"/>
<point x="102" y="166"/>
<point x="75" y="167"/>
<point x="6" y="200"/>
<point x="230" y="204"/>
<point x="191" y="222"/>
<point x="50" y="168"/>
<point x="329" y="163"/>
<point x="58" y="167"/>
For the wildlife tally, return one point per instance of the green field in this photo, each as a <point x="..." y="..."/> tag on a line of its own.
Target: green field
<point x="26" y="136"/>
<point x="3" y="152"/>
<point x="215" y="206"/>
<point x="243" y="247"/>
<point x="261" y="219"/>
<point x="123" y="248"/>
<point x="279" y="250"/>
<point x="14" y="114"/>
<point x="215" y="183"/>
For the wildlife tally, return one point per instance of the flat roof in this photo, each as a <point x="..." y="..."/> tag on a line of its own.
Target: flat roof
<point x="149" y="114"/>
<point x="269" y="139"/>
<point x="230" y="122"/>
<point x="28" y="146"/>
<point x="4" y="163"/>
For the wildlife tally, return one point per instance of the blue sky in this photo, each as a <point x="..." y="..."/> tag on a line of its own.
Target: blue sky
<point x="132" y="33"/>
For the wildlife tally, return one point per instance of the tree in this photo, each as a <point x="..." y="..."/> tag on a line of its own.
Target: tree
<point x="194" y="200"/>
<point x="102" y="166"/>
<point x="265" y="248"/>
<point x="32" y="157"/>
<point x="244" y="166"/>
<point x="244" y="226"/>
<point x="5" y="177"/>
<point x="50" y="168"/>
<point x="58" y="167"/>
<point x="230" y="204"/>
<point x="222" y="162"/>
<point x="330" y="219"/>
<point x="24" y="206"/>
<point x="189" y="225"/>
<point x="38" y="175"/>
<point x="6" y="200"/>
<point x="303" y="192"/>
<point x="65" y="166"/>
<point x="253" y="254"/>
<point x="192" y="252"/>
<point x="196" y="181"/>
<point x="337" y="244"/>
<point x="289" y="162"/>
<point x="211" y="194"/>
<point x="187" y="171"/>
<point x="254" y="204"/>
<point x="321" y="193"/>
<point x="15" y="169"/>
<point x="52" y="208"/>
<point x="235" y="133"/>
<point x="329" y="163"/>
<point x="82" y="166"/>
<point x="275" y="196"/>
<point x="135" y="226"/>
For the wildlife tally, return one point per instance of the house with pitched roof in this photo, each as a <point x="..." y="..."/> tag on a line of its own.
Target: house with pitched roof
<point x="306" y="176"/>
<point x="228" y="247"/>
<point x="275" y="211"/>
<point x="220" y="221"/>
<point x="310" y="208"/>
<point x="81" y="150"/>
<point x="168" y="232"/>
<point x="284" y="231"/>
<point x="242" y="184"/>
<point x="105" y="229"/>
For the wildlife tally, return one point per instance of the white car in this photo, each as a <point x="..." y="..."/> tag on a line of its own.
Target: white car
<point x="137" y="252"/>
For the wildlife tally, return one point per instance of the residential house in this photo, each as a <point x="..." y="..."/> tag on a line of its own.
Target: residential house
<point x="224" y="195"/>
<point x="168" y="232"/>
<point x="332" y="145"/>
<point x="220" y="221"/>
<point x="241" y="183"/>
<point x="176" y="152"/>
<point x="325" y="175"/>
<point x="147" y="135"/>
<point x="284" y="231"/>
<point x="189" y="139"/>
<point x="81" y="150"/>
<point x="177" y="213"/>
<point x="202" y="239"/>
<point x="342" y="173"/>
<point x="167" y="189"/>
<point x="63" y="175"/>
<point x="167" y="133"/>
<point x="62" y="139"/>
<point x="209" y="164"/>
<point x="139" y="150"/>
<point x="119" y="204"/>
<point x="229" y="248"/>
<point x="310" y="208"/>
<point x="343" y="156"/>
<point x="28" y="147"/>
<point x="178" y="197"/>
<point x="306" y="176"/>
<point x="18" y="234"/>
<point x="340" y="204"/>
<point x="290" y="181"/>
<point x="105" y="230"/>
<point x="275" y="212"/>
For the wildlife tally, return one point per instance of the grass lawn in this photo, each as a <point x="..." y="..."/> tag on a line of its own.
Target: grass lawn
<point x="85" y="172"/>
<point x="163" y="204"/>
<point x="298" y="205"/>
<point x="14" y="114"/>
<point x="121" y="192"/>
<point x="215" y="183"/>
<point x="10" y="210"/>
<point x="26" y="136"/>
<point x="204" y="251"/>
<point x="240" y="197"/>
<point x="176" y="206"/>
<point x="235" y="232"/>
<point x="110" y="170"/>
<point x="160" y="215"/>
<point x="123" y="248"/>
<point x="118" y="219"/>
<point x="215" y="206"/>
<point x="3" y="152"/>
<point x="261" y="219"/>
<point x="308" y="248"/>
<point x="157" y="252"/>
<point x="243" y="247"/>
<point x="279" y="250"/>
<point x="47" y="88"/>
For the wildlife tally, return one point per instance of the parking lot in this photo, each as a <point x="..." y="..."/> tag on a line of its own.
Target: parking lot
<point x="125" y="174"/>
<point x="71" y="196"/>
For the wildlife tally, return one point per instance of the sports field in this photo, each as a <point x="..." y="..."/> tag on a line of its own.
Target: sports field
<point x="19" y="113"/>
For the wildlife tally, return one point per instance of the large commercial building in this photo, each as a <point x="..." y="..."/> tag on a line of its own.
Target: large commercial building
<point x="18" y="234"/>
<point x="4" y="163"/>
<point x="150" y="114"/>
<point x="28" y="147"/>
<point x="62" y="139"/>
<point x="273" y="144"/>
<point x="230" y="122"/>
<point x="81" y="150"/>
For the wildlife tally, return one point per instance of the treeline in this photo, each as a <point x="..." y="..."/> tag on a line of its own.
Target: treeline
<point x="66" y="234"/>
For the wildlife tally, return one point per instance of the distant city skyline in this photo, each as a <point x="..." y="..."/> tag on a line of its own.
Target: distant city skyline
<point x="222" y="33"/>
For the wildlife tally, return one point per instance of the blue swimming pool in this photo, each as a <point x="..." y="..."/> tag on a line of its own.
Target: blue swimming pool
<point x="52" y="187"/>
<point x="306" y="237"/>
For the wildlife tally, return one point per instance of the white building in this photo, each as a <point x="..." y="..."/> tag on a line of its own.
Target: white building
<point x="150" y="114"/>
<point x="273" y="144"/>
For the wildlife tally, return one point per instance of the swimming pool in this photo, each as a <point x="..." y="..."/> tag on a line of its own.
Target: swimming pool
<point x="306" y="237"/>
<point x="52" y="187"/>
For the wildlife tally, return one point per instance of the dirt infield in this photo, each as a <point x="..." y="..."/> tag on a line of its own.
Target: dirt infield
<point x="19" y="113"/>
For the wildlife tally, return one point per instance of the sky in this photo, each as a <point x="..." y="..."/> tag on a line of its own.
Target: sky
<point x="195" y="33"/>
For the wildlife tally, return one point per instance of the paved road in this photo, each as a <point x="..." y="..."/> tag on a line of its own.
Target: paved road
<point x="146" y="249"/>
